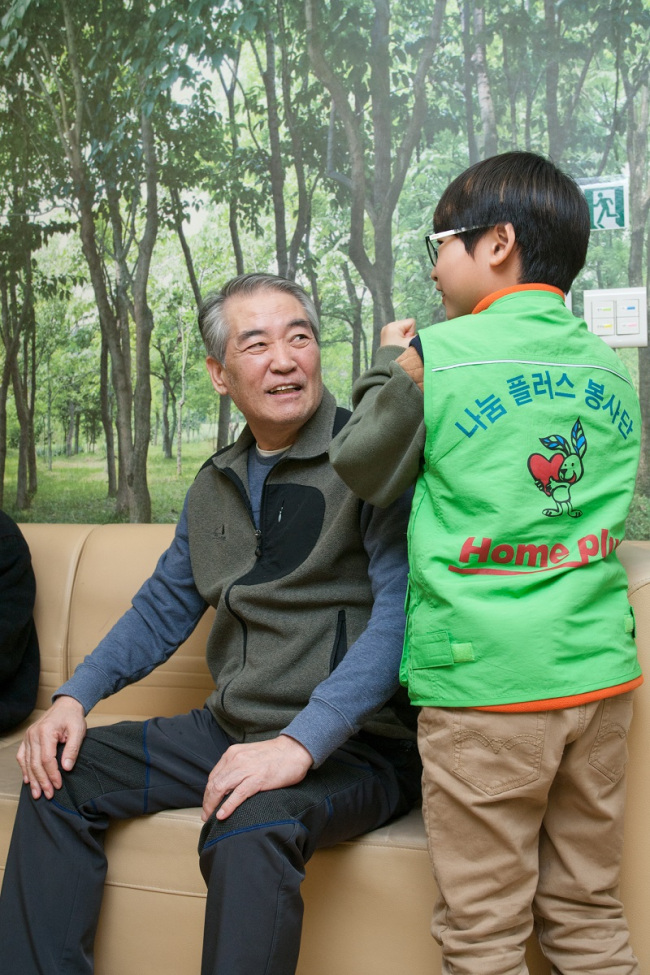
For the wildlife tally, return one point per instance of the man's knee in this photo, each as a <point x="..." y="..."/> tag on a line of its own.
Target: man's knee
<point x="309" y="805"/>
<point x="261" y="813"/>
<point x="111" y="759"/>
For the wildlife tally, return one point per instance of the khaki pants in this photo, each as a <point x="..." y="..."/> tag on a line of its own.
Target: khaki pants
<point x="524" y="817"/>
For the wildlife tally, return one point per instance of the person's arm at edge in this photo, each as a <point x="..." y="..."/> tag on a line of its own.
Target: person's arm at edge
<point x="379" y="450"/>
<point x="17" y="592"/>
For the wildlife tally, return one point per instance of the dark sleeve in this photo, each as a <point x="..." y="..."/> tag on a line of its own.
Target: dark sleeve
<point x="379" y="451"/>
<point x="416" y="344"/>
<point x="19" y="661"/>
<point x="17" y="594"/>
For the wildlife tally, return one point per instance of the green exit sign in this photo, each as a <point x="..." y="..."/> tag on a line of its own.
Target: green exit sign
<point x="608" y="202"/>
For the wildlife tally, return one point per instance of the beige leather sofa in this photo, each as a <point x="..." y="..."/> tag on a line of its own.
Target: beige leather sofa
<point x="367" y="903"/>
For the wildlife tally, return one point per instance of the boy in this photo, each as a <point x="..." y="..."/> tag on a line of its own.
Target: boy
<point x="522" y="430"/>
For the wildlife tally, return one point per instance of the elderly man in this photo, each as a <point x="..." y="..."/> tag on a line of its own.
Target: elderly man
<point x="296" y="748"/>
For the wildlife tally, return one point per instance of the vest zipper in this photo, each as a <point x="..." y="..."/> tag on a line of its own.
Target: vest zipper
<point x="258" y="554"/>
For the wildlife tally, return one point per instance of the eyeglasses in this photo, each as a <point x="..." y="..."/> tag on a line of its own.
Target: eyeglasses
<point x="433" y="240"/>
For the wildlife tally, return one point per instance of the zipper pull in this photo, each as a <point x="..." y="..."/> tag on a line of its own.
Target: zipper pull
<point x="258" y="549"/>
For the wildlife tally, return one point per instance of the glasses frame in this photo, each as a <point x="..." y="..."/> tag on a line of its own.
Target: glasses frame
<point x="433" y="240"/>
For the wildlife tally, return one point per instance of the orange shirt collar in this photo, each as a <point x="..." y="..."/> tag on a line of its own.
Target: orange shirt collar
<point x="487" y="301"/>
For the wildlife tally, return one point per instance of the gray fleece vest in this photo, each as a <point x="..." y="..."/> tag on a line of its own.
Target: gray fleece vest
<point x="289" y="598"/>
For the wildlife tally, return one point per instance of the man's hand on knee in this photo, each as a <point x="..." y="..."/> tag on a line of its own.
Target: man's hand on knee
<point x="255" y="767"/>
<point x="64" y="722"/>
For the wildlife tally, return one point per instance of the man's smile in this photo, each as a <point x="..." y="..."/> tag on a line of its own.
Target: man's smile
<point x="287" y="388"/>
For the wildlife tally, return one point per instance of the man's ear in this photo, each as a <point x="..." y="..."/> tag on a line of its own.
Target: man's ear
<point x="502" y="244"/>
<point x="216" y="373"/>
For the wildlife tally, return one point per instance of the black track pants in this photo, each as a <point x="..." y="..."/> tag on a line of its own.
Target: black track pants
<point x="253" y="862"/>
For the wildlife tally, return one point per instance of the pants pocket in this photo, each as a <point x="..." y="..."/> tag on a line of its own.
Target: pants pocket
<point x="498" y="752"/>
<point x="609" y="751"/>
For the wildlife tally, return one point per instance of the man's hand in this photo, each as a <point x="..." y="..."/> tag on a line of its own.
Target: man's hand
<point x="398" y="333"/>
<point x="258" y="766"/>
<point x="64" y="722"/>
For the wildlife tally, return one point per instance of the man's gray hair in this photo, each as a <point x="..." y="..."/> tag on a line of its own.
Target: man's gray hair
<point x="213" y="323"/>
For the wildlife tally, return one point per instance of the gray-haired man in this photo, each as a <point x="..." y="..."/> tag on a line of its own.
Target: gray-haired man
<point x="290" y="752"/>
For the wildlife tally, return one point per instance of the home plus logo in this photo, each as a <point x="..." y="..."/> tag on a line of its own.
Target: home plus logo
<point x="555" y="475"/>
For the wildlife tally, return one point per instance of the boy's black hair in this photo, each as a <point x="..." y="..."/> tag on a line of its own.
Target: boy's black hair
<point x="546" y="207"/>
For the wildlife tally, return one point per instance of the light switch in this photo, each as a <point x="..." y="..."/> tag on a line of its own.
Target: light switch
<point x="618" y="315"/>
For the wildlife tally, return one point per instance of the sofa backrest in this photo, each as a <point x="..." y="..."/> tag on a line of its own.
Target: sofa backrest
<point x="86" y="576"/>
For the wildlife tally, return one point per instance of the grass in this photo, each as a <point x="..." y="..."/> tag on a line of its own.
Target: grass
<point x="75" y="490"/>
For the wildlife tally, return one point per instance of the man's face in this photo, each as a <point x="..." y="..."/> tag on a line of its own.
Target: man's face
<point x="272" y="365"/>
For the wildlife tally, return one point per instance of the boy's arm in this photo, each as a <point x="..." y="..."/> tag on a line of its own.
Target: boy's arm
<point x="378" y="452"/>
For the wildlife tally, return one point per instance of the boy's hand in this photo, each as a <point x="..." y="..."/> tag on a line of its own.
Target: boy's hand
<point x="398" y="333"/>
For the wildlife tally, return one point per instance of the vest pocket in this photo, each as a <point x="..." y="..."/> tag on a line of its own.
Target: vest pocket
<point x="340" y="647"/>
<point x="425" y="664"/>
<point x="434" y="650"/>
<point x="428" y="650"/>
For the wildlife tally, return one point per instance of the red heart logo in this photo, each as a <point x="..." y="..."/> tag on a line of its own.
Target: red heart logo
<point x="544" y="469"/>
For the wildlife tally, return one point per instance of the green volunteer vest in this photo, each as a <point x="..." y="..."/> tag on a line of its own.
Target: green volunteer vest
<point x="515" y="591"/>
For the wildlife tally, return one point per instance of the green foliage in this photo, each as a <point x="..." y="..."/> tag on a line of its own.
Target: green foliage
<point x="561" y="80"/>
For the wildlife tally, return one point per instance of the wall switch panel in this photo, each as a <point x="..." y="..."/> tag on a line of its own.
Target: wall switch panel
<point x="618" y="315"/>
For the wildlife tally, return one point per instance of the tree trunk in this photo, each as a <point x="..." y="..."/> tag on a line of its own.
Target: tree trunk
<point x="117" y="343"/>
<point x="303" y="210"/>
<point x="23" y="497"/>
<point x="552" y="79"/>
<point x="643" y="477"/>
<point x="4" y="390"/>
<point x="11" y="342"/>
<point x="24" y="396"/>
<point x="166" y="438"/>
<point x="107" y="420"/>
<point x="276" y="164"/>
<point x="30" y="367"/>
<point x="179" y="437"/>
<point x="486" y="105"/>
<point x="638" y="118"/>
<point x="468" y="82"/>
<point x="357" y="322"/>
<point x="69" y="436"/>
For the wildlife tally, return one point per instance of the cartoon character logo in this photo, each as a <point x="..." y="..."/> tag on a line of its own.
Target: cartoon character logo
<point x="556" y="474"/>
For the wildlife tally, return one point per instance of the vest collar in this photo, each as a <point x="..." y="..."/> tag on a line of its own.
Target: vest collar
<point x="313" y="440"/>
<point x="489" y="299"/>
